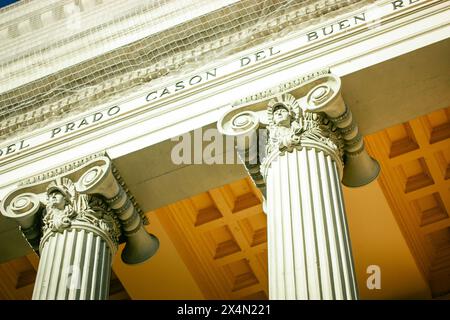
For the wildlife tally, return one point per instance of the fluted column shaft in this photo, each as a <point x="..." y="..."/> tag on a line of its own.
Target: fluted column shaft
<point x="309" y="247"/>
<point x="75" y="265"/>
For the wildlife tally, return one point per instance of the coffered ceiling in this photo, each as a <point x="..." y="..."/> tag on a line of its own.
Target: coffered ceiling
<point x="415" y="178"/>
<point x="221" y="234"/>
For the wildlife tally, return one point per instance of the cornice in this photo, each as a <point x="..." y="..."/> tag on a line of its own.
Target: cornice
<point x="43" y="107"/>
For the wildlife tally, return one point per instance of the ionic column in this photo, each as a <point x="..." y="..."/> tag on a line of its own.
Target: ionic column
<point x="312" y="144"/>
<point x="75" y="221"/>
<point x="309" y="247"/>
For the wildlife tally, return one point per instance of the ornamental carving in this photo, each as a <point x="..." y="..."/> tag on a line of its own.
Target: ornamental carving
<point x="94" y="210"/>
<point x="289" y="126"/>
<point x="66" y="208"/>
<point x="59" y="210"/>
<point x="308" y="112"/>
<point x="88" y="197"/>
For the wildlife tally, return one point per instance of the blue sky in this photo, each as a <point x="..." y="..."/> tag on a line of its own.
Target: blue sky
<point x="4" y="3"/>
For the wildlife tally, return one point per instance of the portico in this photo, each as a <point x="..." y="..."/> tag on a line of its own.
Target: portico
<point x="83" y="181"/>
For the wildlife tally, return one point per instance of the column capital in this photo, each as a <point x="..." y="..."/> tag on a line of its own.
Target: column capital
<point x="306" y="112"/>
<point x="67" y="208"/>
<point x="87" y="194"/>
<point x="292" y="127"/>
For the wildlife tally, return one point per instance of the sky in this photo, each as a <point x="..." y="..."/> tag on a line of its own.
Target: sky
<point x="4" y="3"/>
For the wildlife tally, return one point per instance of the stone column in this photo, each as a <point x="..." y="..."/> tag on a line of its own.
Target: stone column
<point x="309" y="247"/>
<point x="312" y="144"/>
<point x="75" y="221"/>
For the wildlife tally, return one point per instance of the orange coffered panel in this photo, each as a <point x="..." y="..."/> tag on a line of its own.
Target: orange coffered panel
<point x="415" y="178"/>
<point x="221" y="234"/>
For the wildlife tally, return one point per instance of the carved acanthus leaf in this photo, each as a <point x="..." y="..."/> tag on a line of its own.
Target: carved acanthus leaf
<point x="78" y="208"/>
